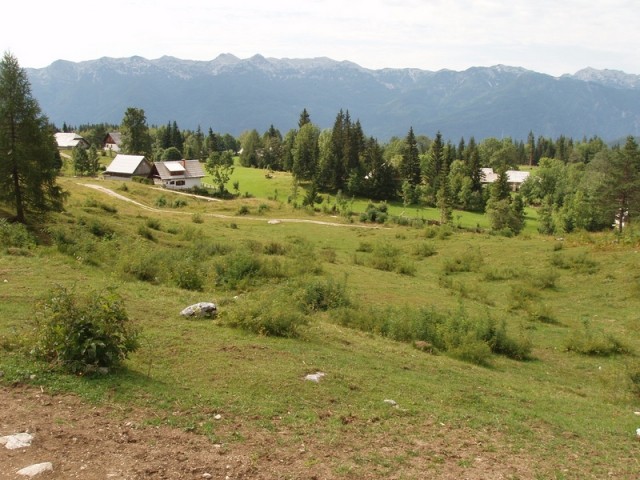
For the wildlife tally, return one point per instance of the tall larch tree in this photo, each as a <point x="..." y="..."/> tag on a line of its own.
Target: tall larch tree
<point x="28" y="163"/>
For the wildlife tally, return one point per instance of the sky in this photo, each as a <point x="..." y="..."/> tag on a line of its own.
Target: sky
<point x="547" y="36"/>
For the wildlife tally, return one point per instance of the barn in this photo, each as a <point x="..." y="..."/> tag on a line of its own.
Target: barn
<point x="124" y="167"/>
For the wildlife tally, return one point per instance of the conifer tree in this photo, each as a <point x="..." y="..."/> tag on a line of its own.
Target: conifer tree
<point x="28" y="154"/>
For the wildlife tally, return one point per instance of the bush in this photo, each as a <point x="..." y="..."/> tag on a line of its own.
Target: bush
<point x="243" y="210"/>
<point x="237" y="270"/>
<point x="322" y="295"/>
<point x="268" y="315"/>
<point x="469" y="261"/>
<point x="588" y="342"/>
<point x="153" y="223"/>
<point x="84" y="334"/>
<point x="197" y="218"/>
<point x="15" y="235"/>
<point x="424" y="250"/>
<point x="144" y="232"/>
<point x="188" y="276"/>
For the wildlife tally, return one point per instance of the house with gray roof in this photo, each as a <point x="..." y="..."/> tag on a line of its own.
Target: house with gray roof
<point x="112" y="142"/>
<point x="178" y="174"/>
<point x="123" y="167"/>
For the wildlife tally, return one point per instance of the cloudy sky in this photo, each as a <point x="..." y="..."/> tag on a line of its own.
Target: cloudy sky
<point x="549" y="36"/>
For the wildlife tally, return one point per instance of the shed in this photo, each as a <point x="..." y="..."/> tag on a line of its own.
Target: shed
<point x="178" y="174"/>
<point x="515" y="178"/>
<point x="124" y="167"/>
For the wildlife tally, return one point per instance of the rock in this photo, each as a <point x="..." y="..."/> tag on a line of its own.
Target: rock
<point x="274" y="222"/>
<point x="315" y="377"/>
<point x="207" y="475"/>
<point x="393" y="403"/>
<point x="37" y="469"/>
<point x="19" y="440"/>
<point x="638" y="433"/>
<point x="202" y="309"/>
<point x="218" y="417"/>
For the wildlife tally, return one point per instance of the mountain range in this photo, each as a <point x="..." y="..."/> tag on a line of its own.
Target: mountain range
<point x="231" y="95"/>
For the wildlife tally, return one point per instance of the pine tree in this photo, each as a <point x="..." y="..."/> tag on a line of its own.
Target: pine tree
<point x="410" y="163"/>
<point x="28" y="163"/>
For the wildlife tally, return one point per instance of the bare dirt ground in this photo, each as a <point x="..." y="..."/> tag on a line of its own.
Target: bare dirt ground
<point x="90" y="442"/>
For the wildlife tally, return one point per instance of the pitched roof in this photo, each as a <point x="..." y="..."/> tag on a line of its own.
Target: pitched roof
<point x="68" y="140"/>
<point x="513" y="176"/>
<point x="115" y="136"/>
<point x="179" y="169"/>
<point x="126" y="164"/>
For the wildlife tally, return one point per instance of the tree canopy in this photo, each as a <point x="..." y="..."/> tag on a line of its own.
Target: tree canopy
<point x="29" y="161"/>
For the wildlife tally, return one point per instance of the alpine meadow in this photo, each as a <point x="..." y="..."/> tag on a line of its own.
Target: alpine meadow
<point x="418" y="307"/>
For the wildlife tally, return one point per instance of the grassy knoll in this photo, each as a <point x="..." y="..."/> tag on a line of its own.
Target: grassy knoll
<point x="506" y="357"/>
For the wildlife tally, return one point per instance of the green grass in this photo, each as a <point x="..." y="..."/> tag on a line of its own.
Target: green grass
<point x="551" y="412"/>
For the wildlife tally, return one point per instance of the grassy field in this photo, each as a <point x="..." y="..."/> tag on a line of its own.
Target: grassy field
<point x="551" y="393"/>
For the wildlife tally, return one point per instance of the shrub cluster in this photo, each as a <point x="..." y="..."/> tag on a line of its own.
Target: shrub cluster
<point x="83" y="334"/>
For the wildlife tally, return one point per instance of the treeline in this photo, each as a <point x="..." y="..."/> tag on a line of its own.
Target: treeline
<point x="572" y="185"/>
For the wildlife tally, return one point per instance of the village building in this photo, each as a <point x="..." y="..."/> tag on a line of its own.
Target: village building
<point x="66" y="140"/>
<point x="124" y="167"/>
<point x="112" y="142"/>
<point x="178" y="174"/>
<point x="515" y="178"/>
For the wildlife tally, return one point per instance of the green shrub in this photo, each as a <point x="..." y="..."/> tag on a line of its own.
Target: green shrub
<point x="179" y="203"/>
<point x="595" y="343"/>
<point x="243" y="210"/>
<point x="544" y="280"/>
<point x="143" y="267"/>
<point x="237" y="270"/>
<point x="579" y="263"/>
<point x="83" y="334"/>
<point x="274" y="248"/>
<point x="424" y="250"/>
<point x="15" y="235"/>
<point x="323" y="294"/>
<point x="469" y="261"/>
<point x="142" y="180"/>
<point x="100" y="230"/>
<point x="267" y="315"/>
<point x="197" y="218"/>
<point x="108" y="208"/>
<point x="153" y="223"/>
<point x="145" y="232"/>
<point x="188" y="276"/>
<point x="161" y="201"/>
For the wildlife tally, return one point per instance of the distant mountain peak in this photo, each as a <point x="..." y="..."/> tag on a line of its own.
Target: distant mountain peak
<point x="609" y="78"/>
<point x="232" y="95"/>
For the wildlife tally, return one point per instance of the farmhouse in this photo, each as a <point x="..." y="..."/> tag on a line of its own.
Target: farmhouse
<point x="515" y="178"/>
<point x="112" y="142"/>
<point x="178" y="174"/>
<point x="70" y="140"/>
<point x="123" y="167"/>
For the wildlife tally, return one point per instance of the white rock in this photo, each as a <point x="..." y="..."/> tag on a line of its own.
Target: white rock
<point x="315" y="377"/>
<point x="37" y="469"/>
<point x="393" y="403"/>
<point x="218" y="416"/>
<point x="207" y="475"/>
<point x="19" y="440"/>
<point x="202" y="309"/>
<point x="638" y="432"/>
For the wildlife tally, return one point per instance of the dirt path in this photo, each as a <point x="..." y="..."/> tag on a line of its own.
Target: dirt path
<point x="90" y="442"/>
<point x="111" y="193"/>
